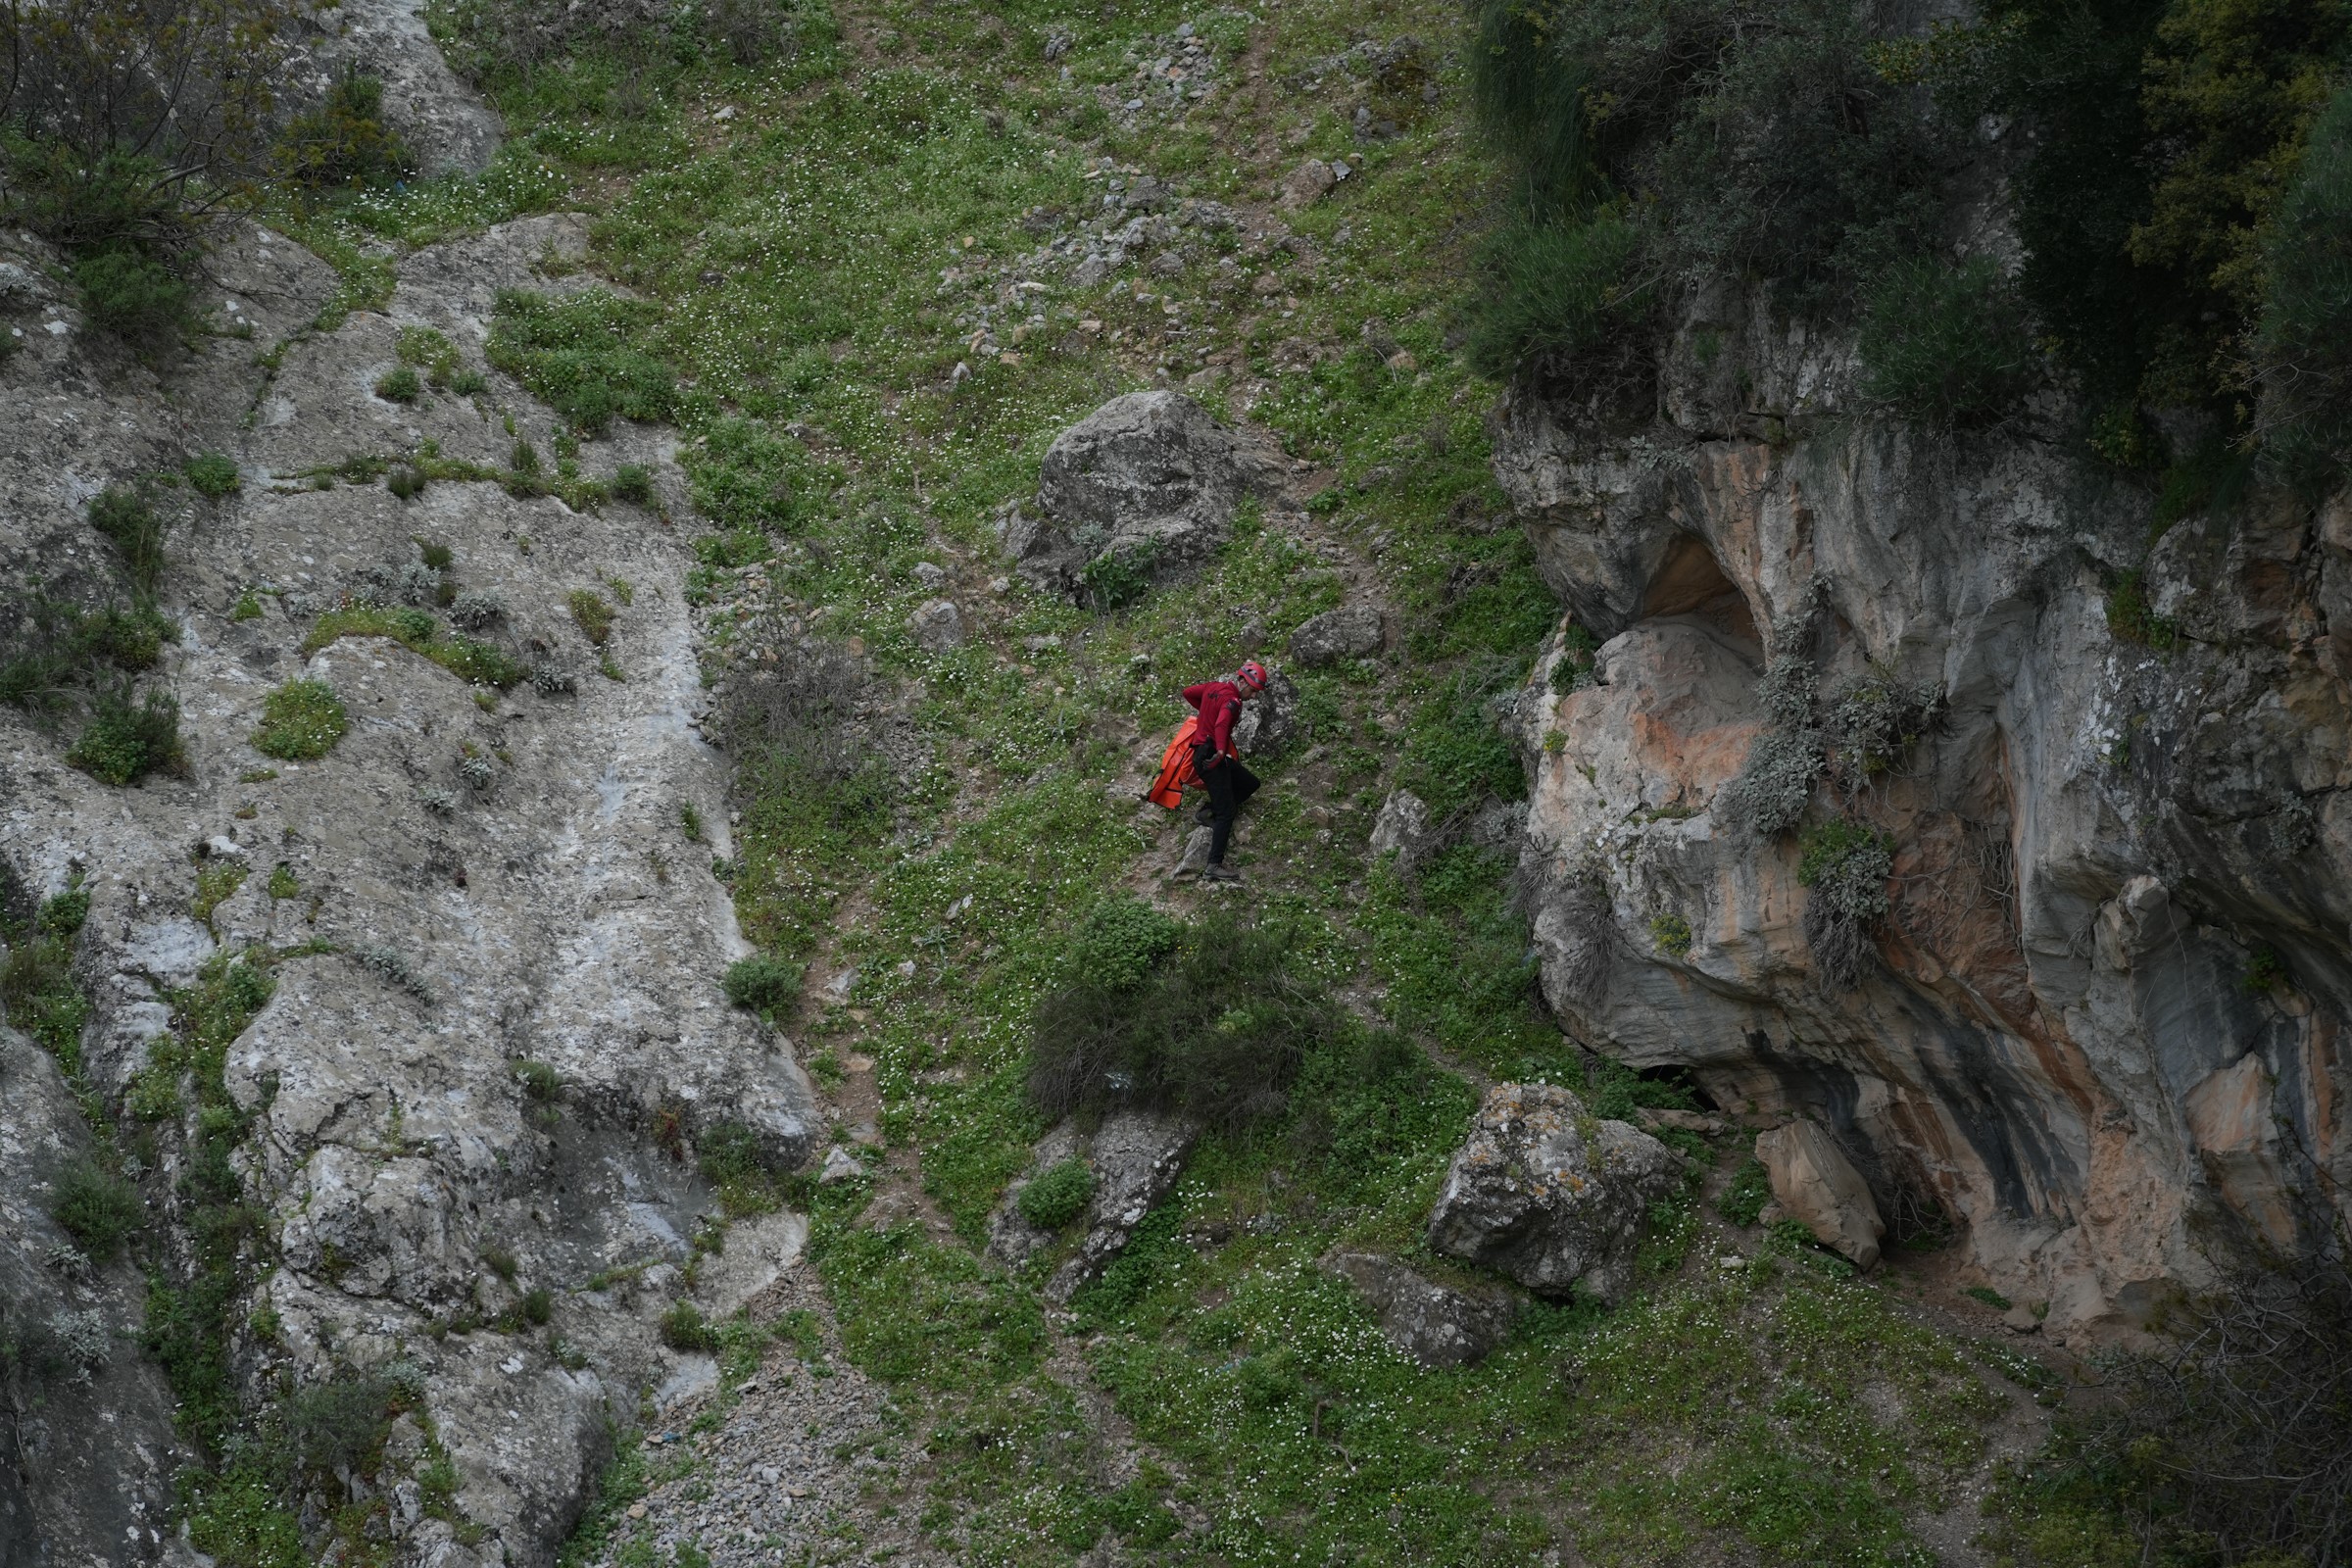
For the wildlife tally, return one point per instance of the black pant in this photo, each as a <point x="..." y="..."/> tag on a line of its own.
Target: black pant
<point x="1229" y="784"/>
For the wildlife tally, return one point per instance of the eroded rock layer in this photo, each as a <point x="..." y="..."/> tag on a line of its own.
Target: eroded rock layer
<point x="2100" y="1022"/>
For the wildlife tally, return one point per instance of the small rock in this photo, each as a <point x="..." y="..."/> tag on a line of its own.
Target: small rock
<point x="636" y="1510"/>
<point x="2020" y="1319"/>
<point x="938" y="625"/>
<point x="840" y="1166"/>
<point x="1307" y="184"/>
<point x="930" y="573"/>
<point x="220" y="847"/>
<point x="1402" y="827"/>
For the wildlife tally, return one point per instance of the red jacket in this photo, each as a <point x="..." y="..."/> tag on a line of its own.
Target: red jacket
<point x="1220" y="704"/>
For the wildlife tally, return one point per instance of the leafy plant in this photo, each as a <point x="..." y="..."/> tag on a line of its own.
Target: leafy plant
<point x="344" y="140"/>
<point x="593" y="616"/>
<point x="2130" y="618"/>
<point x="588" y="355"/>
<point x="95" y="1206"/>
<point x="299" y="721"/>
<point x="1672" y="934"/>
<point x="127" y="517"/>
<point x="1746" y="1195"/>
<point x="125" y="741"/>
<point x="1846" y="866"/>
<point x="212" y="475"/>
<point x="400" y="384"/>
<point x="1057" y="1196"/>
<point x="1945" y="345"/>
<point x="764" y="983"/>
<point x="684" y="1328"/>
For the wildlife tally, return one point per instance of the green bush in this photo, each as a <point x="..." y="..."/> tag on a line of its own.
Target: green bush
<point x="344" y="141"/>
<point x="61" y="650"/>
<point x="1672" y="934"/>
<point x="2303" y="345"/>
<point x="125" y="741"/>
<point x="1846" y="866"/>
<point x="1945" y="345"/>
<point x="634" y="483"/>
<point x="2132" y="618"/>
<point x="1122" y="939"/>
<point x="400" y="384"/>
<point x="587" y="356"/>
<point x="1216" y="1030"/>
<point x="139" y="298"/>
<point x="1550" y="291"/>
<point x="683" y="1328"/>
<point x="764" y="983"/>
<point x="749" y="481"/>
<point x="212" y="475"/>
<point x="125" y="516"/>
<point x="299" y="721"/>
<point x="1058" y="1196"/>
<point x="97" y="1208"/>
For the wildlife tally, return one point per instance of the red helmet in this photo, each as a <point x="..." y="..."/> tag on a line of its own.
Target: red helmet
<point x="1251" y="676"/>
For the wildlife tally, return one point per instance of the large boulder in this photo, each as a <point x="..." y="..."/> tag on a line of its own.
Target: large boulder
<point x="1352" y="632"/>
<point x="1815" y="1182"/>
<point x="1549" y="1194"/>
<point x="1141" y="492"/>
<point x="1436" y="1324"/>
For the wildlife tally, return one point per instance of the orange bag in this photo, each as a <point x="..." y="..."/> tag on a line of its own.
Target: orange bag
<point x="1176" y="768"/>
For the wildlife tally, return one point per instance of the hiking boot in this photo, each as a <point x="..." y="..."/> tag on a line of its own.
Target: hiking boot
<point x="1206" y="816"/>
<point x="1220" y="873"/>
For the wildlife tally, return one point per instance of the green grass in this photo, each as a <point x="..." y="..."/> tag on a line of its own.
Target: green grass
<point x="301" y="721"/>
<point x="470" y="660"/>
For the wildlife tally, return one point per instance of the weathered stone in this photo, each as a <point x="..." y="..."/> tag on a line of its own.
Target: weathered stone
<point x="1136" y="1156"/>
<point x="1144" y="488"/>
<point x="2090" y="839"/>
<point x="1307" y="184"/>
<point x="1437" y="1325"/>
<point x="1815" y="1184"/>
<point x="936" y="626"/>
<point x="1352" y="632"/>
<point x="1402" y="829"/>
<point x="1549" y="1194"/>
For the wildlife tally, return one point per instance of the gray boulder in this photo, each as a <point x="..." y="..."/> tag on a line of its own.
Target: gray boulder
<point x="1140" y="492"/>
<point x="1271" y="722"/>
<point x="1437" y="1325"/>
<point x="1136" y="1158"/>
<point x="1403" y="826"/>
<point x="1352" y="632"/>
<point x="936" y="626"/>
<point x="1549" y="1194"/>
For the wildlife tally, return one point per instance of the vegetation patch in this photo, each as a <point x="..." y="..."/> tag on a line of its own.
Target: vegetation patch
<point x="299" y="721"/>
<point x="469" y="658"/>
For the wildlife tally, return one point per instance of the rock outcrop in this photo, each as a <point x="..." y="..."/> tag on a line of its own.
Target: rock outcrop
<point x="1815" y="1184"/>
<point x="1142" y="491"/>
<point x="471" y="879"/>
<point x="2100" y="989"/>
<point x="1547" y="1194"/>
<point x="1134" y="1157"/>
<point x="1435" y="1323"/>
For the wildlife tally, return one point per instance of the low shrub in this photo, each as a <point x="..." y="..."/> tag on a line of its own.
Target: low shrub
<point x="1672" y="934"/>
<point x="139" y="298"/>
<point x="1846" y="866"/>
<point x="634" y="483"/>
<point x="299" y="721"/>
<point x="1946" y="345"/>
<point x="1743" y="1199"/>
<point x="1122" y="941"/>
<point x="97" y="1208"/>
<point x="1215" y="1030"/>
<point x="684" y="1328"/>
<point x="764" y="983"/>
<point x="2132" y="618"/>
<point x="125" y="741"/>
<point x="212" y="475"/>
<point x="344" y="141"/>
<point x="593" y="616"/>
<point x="128" y="518"/>
<point x="1058" y="1195"/>
<point x="1550" y="291"/>
<point x="400" y="384"/>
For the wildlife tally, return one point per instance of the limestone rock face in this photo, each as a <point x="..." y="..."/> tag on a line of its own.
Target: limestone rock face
<point x="1147" y="485"/>
<point x="1548" y="1195"/>
<point x="2093" y="841"/>
<point x="1814" y="1182"/>
<point x="1270" y="721"/>
<point x="476" y="885"/>
<point x="1436" y="1324"/>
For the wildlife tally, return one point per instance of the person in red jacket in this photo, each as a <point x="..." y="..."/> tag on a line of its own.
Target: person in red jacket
<point x="1228" y="780"/>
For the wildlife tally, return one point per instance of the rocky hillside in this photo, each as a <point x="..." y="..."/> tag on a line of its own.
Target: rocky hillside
<point x="587" y="980"/>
